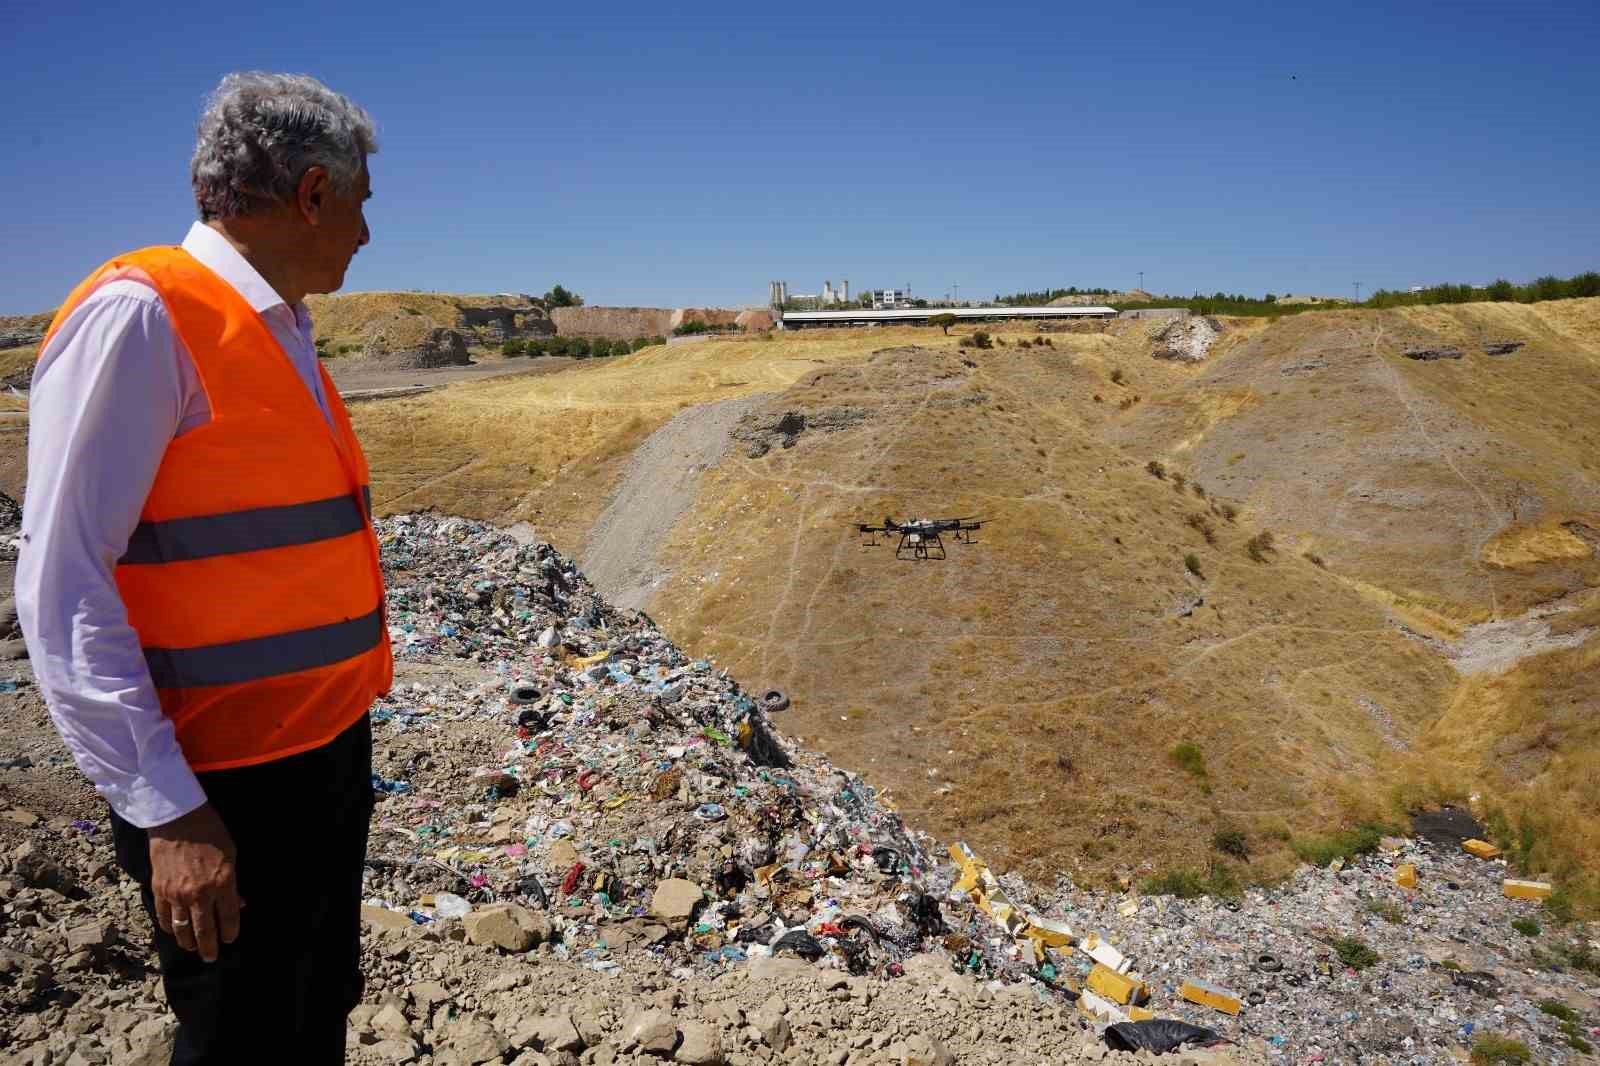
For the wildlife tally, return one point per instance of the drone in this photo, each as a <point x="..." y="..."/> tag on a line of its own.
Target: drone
<point x="920" y="537"/>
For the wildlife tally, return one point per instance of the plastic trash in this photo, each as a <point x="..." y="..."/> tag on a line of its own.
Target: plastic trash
<point x="1159" y="1035"/>
<point x="801" y="943"/>
<point x="450" y="905"/>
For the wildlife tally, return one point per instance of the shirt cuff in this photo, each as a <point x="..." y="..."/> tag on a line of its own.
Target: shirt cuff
<point x="164" y="793"/>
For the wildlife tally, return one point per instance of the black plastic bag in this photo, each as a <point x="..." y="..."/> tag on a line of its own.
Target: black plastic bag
<point x="801" y="943"/>
<point x="925" y="914"/>
<point x="764" y="749"/>
<point x="1160" y="1035"/>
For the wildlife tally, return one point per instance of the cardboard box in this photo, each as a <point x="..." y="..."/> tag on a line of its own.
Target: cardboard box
<point x="1405" y="875"/>
<point x="1052" y="933"/>
<point x="1209" y="995"/>
<point x="1118" y="987"/>
<point x="1534" y="890"/>
<point x="1481" y="848"/>
<point x="1100" y="1008"/>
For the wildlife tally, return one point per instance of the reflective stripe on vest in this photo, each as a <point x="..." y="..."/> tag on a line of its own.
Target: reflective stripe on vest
<point x="261" y="657"/>
<point x="202" y="536"/>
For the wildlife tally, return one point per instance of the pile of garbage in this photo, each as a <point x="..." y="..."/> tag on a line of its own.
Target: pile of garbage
<point x="639" y="797"/>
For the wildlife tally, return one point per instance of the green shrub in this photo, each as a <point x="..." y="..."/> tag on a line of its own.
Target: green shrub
<point x="1492" y="1048"/>
<point x="1231" y="842"/>
<point x="1155" y="469"/>
<point x="1388" y="910"/>
<point x="600" y="347"/>
<point x="1192" y="563"/>
<point x="1258" y="546"/>
<point x="1560" y="907"/>
<point x="1526" y="926"/>
<point x="1345" y="844"/>
<point x="1188" y="757"/>
<point x="1557" y="1009"/>
<point x="1219" y="880"/>
<point x="978" y="339"/>
<point x="691" y="327"/>
<point x="513" y="347"/>
<point x="1354" y="953"/>
<point x="578" y="347"/>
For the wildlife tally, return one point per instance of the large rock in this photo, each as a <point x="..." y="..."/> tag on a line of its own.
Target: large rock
<point x="701" y="1046"/>
<point x="471" y="1041"/>
<point x="441" y="347"/>
<point x="675" y="899"/>
<point x="653" y="1031"/>
<point x="506" y="926"/>
<point x="925" y="1051"/>
<point x="552" y="1032"/>
<point x="773" y="1027"/>
<point x="382" y="918"/>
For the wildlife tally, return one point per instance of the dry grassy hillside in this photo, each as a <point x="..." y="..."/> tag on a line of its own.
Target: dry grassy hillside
<point x="1028" y="693"/>
<point x="402" y="320"/>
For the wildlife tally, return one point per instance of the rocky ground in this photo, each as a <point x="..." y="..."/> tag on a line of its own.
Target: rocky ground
<point x="591" y="848"/>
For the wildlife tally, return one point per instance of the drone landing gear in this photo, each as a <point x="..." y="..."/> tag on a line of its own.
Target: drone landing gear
<point x="920" y="546"/>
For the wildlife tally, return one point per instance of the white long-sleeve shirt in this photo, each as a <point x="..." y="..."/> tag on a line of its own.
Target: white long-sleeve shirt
<point x="112" y="389"/>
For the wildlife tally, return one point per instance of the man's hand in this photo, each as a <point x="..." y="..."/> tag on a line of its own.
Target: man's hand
<point x="192" y="877"/>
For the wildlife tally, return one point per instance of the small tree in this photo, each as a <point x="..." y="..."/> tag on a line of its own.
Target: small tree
<point x="944" y="322"/>
<point x="600" y="347"/>
<point x="578" y="347"/>
<point x="560" y="297"/>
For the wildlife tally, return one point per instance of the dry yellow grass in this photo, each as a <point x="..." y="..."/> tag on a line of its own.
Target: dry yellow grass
<point x="1024" y="694"/>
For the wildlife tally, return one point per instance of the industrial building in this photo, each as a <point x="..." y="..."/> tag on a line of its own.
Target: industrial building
<point x="920" y="315"/>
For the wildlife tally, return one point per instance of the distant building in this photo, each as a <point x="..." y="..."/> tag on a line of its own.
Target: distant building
<point x="890" y="299"/>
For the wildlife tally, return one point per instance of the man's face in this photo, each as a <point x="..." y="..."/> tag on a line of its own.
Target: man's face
<point x="341" y="230"/>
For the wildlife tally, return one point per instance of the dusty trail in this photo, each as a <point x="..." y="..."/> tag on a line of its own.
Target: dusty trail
<point x="657" y="488"/>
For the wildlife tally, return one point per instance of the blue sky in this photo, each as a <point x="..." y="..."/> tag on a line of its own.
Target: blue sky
<point x="641" y="154"/>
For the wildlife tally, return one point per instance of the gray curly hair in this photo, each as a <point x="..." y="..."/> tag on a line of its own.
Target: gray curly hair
<point x="261" y="132"/>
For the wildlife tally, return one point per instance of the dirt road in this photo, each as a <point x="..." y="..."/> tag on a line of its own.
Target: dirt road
<point x="657" y="488"/>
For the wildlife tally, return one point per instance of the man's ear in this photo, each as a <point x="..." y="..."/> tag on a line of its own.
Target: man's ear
<point x="311" y="195"/>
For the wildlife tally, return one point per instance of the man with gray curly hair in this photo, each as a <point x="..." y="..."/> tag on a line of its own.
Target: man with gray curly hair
<point x="199" y="585"/>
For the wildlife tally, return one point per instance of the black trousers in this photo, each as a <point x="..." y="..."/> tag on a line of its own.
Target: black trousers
<point x="280" y="992"/>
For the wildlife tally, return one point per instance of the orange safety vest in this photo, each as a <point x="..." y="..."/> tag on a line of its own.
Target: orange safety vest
<point x="253" y="578"/>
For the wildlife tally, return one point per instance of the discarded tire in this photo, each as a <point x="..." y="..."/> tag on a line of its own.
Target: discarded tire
<point x="1268" y="964"/>
<point x="774" y="700"/>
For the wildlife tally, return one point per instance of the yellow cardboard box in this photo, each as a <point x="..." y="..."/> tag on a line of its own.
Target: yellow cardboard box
<point x="1481" y="848"/>
<point x="1405" y="875"/>
<point x="1118" y="987"/>
<point x="1534" y="890"/>
<point x="1209" y="995"/>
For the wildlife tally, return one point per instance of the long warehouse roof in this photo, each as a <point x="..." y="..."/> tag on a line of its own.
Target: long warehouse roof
<point x="914" y="313"/>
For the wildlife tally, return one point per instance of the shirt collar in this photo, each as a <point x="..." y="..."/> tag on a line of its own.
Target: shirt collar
<point x="223" y="259"/>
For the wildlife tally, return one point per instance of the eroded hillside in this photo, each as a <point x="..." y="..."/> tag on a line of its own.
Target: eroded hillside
<point x="1027" y="693"/>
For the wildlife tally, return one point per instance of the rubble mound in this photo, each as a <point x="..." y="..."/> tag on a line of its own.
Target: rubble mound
<point x="1502" y="347"/>
<point x="765" y="431"/>
<point x="1186" y="340"/>
<point x="441" y="347"/>
<point x="755" y="321"/>
<point x="1429" y="354"/>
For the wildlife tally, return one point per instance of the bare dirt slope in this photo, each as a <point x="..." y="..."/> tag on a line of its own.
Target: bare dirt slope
<point x="658" y="486"/>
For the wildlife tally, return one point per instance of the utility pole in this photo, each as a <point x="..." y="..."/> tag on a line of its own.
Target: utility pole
<point x="1358" y="292"/>
<point x="957" y="290"/>
<point x="1141" y="281"/>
